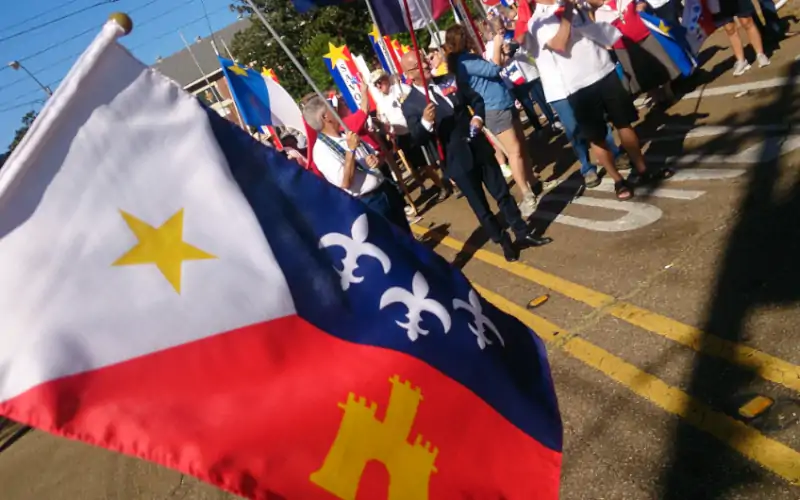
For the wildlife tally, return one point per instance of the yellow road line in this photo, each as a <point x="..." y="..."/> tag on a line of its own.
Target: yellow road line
<point x="772" y="455"/>
<point x="764" y="365"/>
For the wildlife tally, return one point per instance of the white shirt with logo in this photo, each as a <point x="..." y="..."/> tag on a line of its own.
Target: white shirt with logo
<point x="390" y="108"/>
<point x="584" y="63"/>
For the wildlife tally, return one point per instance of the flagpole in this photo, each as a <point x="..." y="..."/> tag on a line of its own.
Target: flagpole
<point x="410" y="23"/>
<point x="296" y="63"/>
<point x="427" y="12"/>
<point x="470" y="24"/>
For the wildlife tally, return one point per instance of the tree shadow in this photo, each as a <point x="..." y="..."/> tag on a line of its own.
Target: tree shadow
<point x="759" y="267"/>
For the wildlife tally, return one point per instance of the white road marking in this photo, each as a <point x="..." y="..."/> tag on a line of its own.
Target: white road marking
<point x="637" y="215"/>
<point x="768" y="150"/>
<point x="696" y="132"/>
<point x="742" y="87"/>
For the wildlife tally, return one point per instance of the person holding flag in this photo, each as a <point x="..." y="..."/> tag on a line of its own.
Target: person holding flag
<point x="468" y="155"/>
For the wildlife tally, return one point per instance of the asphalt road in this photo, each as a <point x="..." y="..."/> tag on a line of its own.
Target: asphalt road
<point x="664" y="316"/>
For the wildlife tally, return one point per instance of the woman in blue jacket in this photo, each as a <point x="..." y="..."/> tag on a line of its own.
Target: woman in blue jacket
<point x="502" y="117"/>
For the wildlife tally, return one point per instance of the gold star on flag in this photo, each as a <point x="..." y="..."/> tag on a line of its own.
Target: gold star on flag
<point x="405" y="48"/>
<point x="663" y="27"/>
<point x="336" y="54"/>
<point x="162" y="246"/>
<point x="375" y="34"/>
<point x="269" y="73"/>
<point x="396" y="44"/>
<point x="238" y="70"/>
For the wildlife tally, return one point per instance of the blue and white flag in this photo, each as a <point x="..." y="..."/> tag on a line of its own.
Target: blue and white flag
<point x="261" y="101"/>
<point x="673" y="39"/>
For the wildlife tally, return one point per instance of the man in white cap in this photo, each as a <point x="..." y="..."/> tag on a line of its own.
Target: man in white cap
<point x="388" y="99"/>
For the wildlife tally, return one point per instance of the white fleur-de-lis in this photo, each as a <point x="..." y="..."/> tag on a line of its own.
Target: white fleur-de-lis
<point x="416" y="301"/>
<point x="355" y="247"/>
<point x="481" y="321"/>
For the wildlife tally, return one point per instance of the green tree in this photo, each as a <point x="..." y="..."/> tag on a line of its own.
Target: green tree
<point x="306" y="35"/>
<point x="27" y="121"/>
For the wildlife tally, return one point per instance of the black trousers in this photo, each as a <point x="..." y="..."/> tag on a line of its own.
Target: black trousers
<point x="471" y="184"/>
<point x="387" y="201"/>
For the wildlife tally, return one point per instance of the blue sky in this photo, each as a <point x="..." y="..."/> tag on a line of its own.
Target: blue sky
<point x="155" y="33"/>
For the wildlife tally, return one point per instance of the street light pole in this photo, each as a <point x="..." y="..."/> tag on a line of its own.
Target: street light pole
<point x="16" y="65"/>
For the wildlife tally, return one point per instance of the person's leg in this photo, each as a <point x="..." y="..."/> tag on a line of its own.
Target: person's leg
<point x="472" y="187"/>
<point x="755" y="40"/>
<point x="537" y="92"/>
<point x="523" y="95"/>
<point x="578" y="142"/>
<point x="736" y="41"/>
<point x="499" y="190"/>
<point x="516" y="159"/>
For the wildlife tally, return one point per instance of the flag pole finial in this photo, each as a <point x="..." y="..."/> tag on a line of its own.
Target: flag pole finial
<point x="123" y="20"/>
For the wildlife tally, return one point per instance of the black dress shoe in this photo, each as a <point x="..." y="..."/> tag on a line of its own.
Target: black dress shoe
<point x="509" y="249"/>
<point x="530" y="240"/>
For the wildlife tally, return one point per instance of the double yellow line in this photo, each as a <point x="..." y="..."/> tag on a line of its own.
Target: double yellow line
<point x="773" y="455"/>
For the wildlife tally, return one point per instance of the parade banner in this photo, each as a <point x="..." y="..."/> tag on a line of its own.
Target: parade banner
<point x="340" y="63"/>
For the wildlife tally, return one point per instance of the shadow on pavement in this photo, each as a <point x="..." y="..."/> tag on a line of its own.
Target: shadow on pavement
<point x="759" y="267"/>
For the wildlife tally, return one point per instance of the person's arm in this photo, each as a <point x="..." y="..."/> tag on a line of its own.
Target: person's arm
<point x="364" y="88"/>
<point x="349" y="160"/>
<point x="477" y="66"/>
<point x="560" y="41"/>
<point x="418" y="130"/>
<point x="497" y="50"/>
<point x="476" y="103"/>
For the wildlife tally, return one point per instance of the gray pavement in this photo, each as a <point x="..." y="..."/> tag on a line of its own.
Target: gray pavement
<point x="716" y="252"/>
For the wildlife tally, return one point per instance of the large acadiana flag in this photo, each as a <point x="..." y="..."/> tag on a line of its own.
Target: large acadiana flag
<point x="176" y="291"/>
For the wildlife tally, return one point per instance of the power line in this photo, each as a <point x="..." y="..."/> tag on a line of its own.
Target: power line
<point x="53" y="21"/>
<point x="22" y="105"/>
<point x="36" y="16"/>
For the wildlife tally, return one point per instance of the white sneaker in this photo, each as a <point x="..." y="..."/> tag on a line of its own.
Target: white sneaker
<point x="558" y="126"/>
<point x="762" y="60"/>
<point x="780" y="3"/>
<point x="741" y="67"/>
<point x="507" y="173"/>
<point x="528" y="205"/>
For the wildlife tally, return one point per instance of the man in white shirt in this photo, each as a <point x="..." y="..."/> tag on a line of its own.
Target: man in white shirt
<point x="388" y="99"/>
<point x="594" y="91"/>
<point x="351" y="165"/>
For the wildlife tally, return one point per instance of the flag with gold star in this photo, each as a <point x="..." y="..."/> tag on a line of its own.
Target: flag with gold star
<point x="342" y="67"/>
<point x="176" y="291"/>
<point x="672" y="39"/>
<point x="261" y="101"/>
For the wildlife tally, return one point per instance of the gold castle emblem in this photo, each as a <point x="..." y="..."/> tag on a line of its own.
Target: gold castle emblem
<point x="363" y="438"/>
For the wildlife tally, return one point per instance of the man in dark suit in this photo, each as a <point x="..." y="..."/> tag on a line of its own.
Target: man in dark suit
<point x="469" y="161"/>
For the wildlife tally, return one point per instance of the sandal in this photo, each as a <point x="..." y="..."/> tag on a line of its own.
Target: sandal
<point x="636" y="178"/>
<point x="623" y="191"/>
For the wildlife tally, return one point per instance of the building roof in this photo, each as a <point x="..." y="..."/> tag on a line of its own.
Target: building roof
<point x="181" y="67"/>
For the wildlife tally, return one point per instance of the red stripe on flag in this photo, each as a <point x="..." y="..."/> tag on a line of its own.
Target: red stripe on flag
<point x="258" y="411"/>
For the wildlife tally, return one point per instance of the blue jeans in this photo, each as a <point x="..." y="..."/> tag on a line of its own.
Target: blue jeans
<point x="579" y="144"/>
<point x="523" y="93"/>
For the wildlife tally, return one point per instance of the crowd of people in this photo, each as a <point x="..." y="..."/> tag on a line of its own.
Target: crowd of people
<point x="455" y="117"/>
